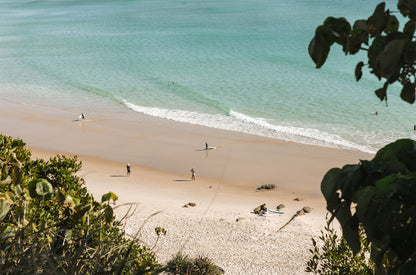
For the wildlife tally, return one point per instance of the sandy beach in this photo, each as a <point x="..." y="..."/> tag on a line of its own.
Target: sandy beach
<point x="161" y="154"/>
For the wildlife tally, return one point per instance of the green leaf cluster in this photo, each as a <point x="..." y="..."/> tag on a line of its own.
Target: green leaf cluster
<point x="334" y="256"/>
<point x="182" y="264"/>
<point x="391" y="52"/>
<point x="379" y="195"/>
<point x="49" y="223"/>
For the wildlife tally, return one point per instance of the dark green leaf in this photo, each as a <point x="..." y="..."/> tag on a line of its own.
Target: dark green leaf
<point x="10" y="196"/>
<point x="358" y="70"/>
<point x="349" y="225"/>
<point x="381" y="93"/>
<point x="4" y="171"/>
<point x="109" y="214"/>
<point x="43" y="187"/>
<point x="394" y="150"/>
<point x="109" y="196"/>
<point x="410" y="54"/>
<point x="349" y="180"/>
<point x="363" y="198"/>
<point x="383" y="184"/>
<point x="377" y="22"/>
<point x="4" y="208"/>
<point x="388" y="61"/>
<point x="392" y="24"/>
<point x="318" y="50"/>
<point x="407" y="8"/>
<point x="408" y="92"/>
<point x="9" y="231"/>
<point x="339" y="29"/>
<point x="18" y="190"/>
<point x="329" y="187"/>
<point x="377" y="255"/>
<point x="409" y="28"/>
<point x="376" y="48"/>
<point x="394" y="76"/>
<point x="358" y="36"/>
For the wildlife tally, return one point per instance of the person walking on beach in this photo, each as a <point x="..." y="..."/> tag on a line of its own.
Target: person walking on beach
<point x="206" y="146"/>
<point x="128" y="169"/>
<point x="193" y="173"/>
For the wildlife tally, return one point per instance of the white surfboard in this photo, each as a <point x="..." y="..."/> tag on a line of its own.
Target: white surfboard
<point x="275" y="211"/>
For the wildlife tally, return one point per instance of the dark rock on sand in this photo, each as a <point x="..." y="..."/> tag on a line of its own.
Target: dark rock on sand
<point x="307" y="209"/>
<point x="189" y="204"/>
<point x="280" y="206"/>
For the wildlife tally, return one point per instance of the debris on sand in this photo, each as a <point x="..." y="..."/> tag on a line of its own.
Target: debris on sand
<point x="260" y="210"/>
<point x="303" y="211"/>
<point x="192" y="204"/>
<point x="267" y="187"/>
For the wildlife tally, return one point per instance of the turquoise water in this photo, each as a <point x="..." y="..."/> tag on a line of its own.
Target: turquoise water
<point x="235" y="65"/>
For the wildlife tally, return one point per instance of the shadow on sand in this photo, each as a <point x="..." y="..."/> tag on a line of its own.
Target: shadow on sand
<point x="118" y="176"/>
<point x="181" y="180"/>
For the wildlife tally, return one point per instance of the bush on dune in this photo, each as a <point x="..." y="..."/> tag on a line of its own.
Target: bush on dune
<point x="182" y="264"/>
<point x="50" y="223"/>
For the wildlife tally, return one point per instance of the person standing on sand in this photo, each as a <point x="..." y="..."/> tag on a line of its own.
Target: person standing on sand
<point x="193" y="173"/>
<point x="128" y="169"/>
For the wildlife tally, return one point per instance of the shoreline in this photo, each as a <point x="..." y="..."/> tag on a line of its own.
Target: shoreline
<point x="172" y="146"/>
<point x="161" y="154"/>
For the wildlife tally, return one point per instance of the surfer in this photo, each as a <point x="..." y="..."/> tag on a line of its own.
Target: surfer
<point x="82" y="116"/>
<point x="206" y="146"/>
<point x="128" y="169"/>
<point x="193" y="173"/>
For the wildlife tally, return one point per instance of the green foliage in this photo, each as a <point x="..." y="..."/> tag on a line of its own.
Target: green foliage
<point x="49" y="223"/>
<point x="181" y="264"/>
<point x="336" y="257"/>
<point x="391" y="52"/>
<point x="383" y="193"/>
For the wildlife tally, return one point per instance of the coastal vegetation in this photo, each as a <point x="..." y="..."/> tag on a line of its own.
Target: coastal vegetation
<point x="182" y="264"/>
<point x="334" y="256"/>
<point x="377" y="195"/>
<point x="49" y="223"/>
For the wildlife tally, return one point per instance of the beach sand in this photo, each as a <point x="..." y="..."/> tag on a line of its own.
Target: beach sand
<point x="161" y="154"/>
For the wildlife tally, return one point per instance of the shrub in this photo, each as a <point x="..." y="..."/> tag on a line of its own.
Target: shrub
<point x="49" y="223"/>
<point x="336" y="257"/>
<point x="182" y="264"/>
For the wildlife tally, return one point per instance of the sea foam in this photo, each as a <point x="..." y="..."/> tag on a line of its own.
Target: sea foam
<point x="239" y="122"/>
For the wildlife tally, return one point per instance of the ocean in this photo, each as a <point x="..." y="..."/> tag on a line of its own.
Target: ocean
<point x="234" y="65"/>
